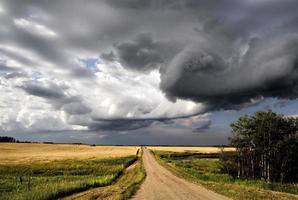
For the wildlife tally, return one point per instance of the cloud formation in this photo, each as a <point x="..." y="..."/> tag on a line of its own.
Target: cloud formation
<point x="123" y="65"/>
<point x="142" y="55"/>
<point x="267" y="68"/>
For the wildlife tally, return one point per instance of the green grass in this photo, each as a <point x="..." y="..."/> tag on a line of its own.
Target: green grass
<point x="132" y="180"/>
<point x="58" y="178"/>
<point x="205" y="169"/>
<point x="122" y="189"/>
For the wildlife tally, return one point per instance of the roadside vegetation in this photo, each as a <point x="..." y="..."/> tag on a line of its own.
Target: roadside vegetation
<point x="207" y="170"/>
<point x="262" y="166"/>
<point x="124" y="188"/>
<point x="54" y="179"/>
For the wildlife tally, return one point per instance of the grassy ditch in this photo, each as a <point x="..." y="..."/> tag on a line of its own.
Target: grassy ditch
<point x="132" y="179"/>
<point x="205" y="169"/>
<point x="124" y="188"/>
<point x="54" y="179"/>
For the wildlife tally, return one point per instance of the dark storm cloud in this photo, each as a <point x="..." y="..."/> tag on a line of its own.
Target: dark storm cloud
<point x="232" y="67"/>
<point x="243" y="51"/>
<point x="197" y="123"/>
<point x="143" y="54"/>
<point x="125" y="124"/>
<point x="227" y="54"/>
<point x="166" y="4"/>
<point x="131" y="4"/>
<point x="134" y="124"/>
<point x="268" y="68"/>
<point x="119" y="124"/>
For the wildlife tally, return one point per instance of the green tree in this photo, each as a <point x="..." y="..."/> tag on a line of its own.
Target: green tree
<point x="262" y="142"/>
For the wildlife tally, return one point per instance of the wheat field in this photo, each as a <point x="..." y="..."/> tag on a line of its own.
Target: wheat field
<point x="13" y="153"/>
<point x="192" y="149"/>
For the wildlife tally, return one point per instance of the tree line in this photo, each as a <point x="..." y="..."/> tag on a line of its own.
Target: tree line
<point x="266" y="148"/>
<point x="7" y="139"/>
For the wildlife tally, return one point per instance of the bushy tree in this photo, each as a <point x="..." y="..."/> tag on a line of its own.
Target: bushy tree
<point x="262" y="142"/>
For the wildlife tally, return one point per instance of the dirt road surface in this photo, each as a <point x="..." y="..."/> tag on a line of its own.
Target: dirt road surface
<point x="160" y="184"/>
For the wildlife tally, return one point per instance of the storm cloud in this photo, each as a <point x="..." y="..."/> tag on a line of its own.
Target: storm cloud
<point x="142" y="55"/>
<point x="124" y="65"/>
<point x="267" y="68"/>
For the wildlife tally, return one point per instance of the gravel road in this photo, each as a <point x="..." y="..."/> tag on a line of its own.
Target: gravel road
<point x="160" y="184"/>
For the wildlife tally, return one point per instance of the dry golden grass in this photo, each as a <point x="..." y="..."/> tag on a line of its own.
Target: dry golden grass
<point x="25" y="152"/>
<point x="192" y="149"/>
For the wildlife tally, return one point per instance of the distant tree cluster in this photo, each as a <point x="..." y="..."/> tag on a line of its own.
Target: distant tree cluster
<point x="267" y="147"/>
<point x="7" y="139"/>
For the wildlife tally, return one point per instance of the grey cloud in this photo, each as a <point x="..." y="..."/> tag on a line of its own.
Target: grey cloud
<point x="82" y="73"/>
<point x="281" y="104"/>
<point x="166" y="4"/>
<point x="4" y="68"/>
<point x="123" y="124"/>
<point x="141" y="55"/>
<point x="218" y="71"/>
<point x="56" y="95"/>
<point x="158" y="135"/>
<point x="15" y="75"/>
<point x="134" y="124"/>
<point x="131" y="4"/>
<point x="54" y="51"/>
<point x="202" y="126"/>
<point x="148" y="136"/>
<point x="268" y="68"/>
<point x="226" y="54"/>
<point x="11" y="72"/>
<point x="119" y="124"/>
<point x="50" y="92"/>
<point x="76" y="108"/>
<point x="108" y="56"/>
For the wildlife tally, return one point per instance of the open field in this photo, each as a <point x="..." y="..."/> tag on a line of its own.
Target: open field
<point x="59" y="178"/>
<point x="205" y="170"/>
<point x="72" y="171"/>
<point x="27" y="152"/>
<point x="50" y="171"/>
<point x="190" y="149"/>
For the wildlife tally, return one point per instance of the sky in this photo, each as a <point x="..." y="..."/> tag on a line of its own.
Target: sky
<point x="170" y="72"/>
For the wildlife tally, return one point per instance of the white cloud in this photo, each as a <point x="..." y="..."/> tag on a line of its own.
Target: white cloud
<point x="34" y="27"/>
<point x="115" y="93"/>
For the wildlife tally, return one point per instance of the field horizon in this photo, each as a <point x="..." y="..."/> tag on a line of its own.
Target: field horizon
<point x="34" y="163"/>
